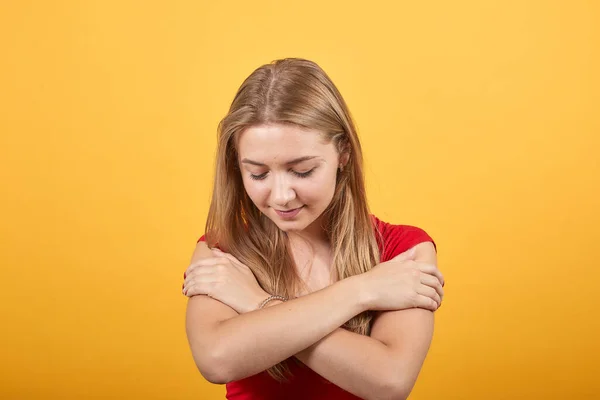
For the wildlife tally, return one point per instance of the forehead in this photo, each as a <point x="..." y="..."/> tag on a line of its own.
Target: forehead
<point x="280" y="143"/>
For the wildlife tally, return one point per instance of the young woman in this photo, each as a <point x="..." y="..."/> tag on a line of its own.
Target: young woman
<point x="296" y="291"/>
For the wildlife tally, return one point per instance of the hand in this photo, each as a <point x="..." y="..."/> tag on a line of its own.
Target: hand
<point x="226" y="279"/>
<point x="403" y="283"/>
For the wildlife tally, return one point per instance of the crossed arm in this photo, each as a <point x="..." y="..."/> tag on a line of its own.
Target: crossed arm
<point x="228" y="346"/>
<point x="390" y="358"/>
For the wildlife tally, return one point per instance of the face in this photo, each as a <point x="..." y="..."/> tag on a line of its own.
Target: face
<point x="288" y="173"/>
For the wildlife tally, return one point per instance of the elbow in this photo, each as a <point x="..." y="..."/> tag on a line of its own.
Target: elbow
<point x="391" y="393"/>
<point x="213" y="367"/>
<point x="400" y="392"/>
<point x="393" y="389"/>
<point x="215" y="375"/>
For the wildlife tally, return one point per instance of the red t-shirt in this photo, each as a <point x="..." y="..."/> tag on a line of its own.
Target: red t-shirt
<point x="305" y="383"/>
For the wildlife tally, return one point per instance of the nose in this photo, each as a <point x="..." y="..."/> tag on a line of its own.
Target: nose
<point x="282" y="192"/>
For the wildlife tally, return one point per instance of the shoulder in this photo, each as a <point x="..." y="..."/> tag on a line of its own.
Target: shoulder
<point x="394" y="239"/>
<point x="206" y="241"/>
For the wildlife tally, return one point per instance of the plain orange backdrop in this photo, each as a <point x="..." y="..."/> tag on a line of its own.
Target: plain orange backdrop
<point x="479" y="122"/>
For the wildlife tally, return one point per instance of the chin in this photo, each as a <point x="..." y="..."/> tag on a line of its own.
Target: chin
<point x="293" y="225"/>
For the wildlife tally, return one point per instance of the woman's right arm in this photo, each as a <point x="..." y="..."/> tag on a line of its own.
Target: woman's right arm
<point x="227" y="346"/>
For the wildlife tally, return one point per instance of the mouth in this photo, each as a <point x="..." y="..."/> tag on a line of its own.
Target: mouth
<point x="288" y="214"/>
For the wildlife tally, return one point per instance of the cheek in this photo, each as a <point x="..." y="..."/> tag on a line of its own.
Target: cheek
<point x="320" y="191"/>
<point x="255" y="191"/>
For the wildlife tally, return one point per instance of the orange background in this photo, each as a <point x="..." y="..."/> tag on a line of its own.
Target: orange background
<point x="479" y="121"/>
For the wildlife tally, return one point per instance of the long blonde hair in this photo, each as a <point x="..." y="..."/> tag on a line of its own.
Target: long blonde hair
<point x="291" y="91"/>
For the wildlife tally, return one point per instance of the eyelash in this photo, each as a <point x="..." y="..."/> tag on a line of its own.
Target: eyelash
<point x="298" y="174"/>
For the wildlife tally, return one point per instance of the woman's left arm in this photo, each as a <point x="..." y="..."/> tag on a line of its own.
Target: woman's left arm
<point x="385" y="364"/>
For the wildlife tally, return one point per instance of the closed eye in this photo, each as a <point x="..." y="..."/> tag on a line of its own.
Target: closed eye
<point x="296" y="173"/>
<point x="258" y="177"/>
<point x="303" y="174"/>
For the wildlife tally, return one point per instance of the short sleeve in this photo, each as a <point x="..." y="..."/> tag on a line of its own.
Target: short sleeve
<point x="396" y="239"/>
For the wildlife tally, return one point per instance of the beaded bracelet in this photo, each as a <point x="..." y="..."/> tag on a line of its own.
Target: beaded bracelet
<point x="271" y="298"/>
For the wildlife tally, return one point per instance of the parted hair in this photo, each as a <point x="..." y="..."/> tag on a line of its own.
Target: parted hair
<point x="298" y="92"/>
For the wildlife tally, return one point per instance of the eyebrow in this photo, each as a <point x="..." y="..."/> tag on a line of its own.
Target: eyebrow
<point x="294" y="161"/>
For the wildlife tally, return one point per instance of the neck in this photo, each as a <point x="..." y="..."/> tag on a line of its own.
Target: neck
<point x="314" y="235"/>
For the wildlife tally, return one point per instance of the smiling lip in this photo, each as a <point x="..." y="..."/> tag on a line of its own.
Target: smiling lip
<point x="289" y="214"/>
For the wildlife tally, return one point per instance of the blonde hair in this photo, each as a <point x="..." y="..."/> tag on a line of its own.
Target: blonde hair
<point x="298" y="92"/>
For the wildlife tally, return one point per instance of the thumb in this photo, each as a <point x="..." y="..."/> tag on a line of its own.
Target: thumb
<point x="407" y="255"/>
<point x="220" y="253"/>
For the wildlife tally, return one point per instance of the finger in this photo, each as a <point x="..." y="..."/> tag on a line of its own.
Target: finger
<point x="191" y="290"/>
<point x="430" y="292"/>
<point x="208" y="261"/>
<point x="432" y="282"/>
<point x="431" y="269"/>
<point x="199" y="286"/>
<point x="407" y="255"/>
<point x="219" y="253"/>
<point x="200" y="265"/>
<point x="426" y="302"/>
<point x="204" y="262"/>
<point x="204" y="271"/>
<point x="185" y="288"/>
<point x="188" y="289"/>
<point x="231" y="258"/>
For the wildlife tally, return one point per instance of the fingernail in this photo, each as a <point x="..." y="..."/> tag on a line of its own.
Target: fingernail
<point x="184" y="275"/>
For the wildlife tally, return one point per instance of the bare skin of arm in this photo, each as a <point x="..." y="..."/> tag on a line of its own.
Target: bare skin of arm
<point x="384" y="365"/>
<point x="227" y="346"/>
<point x="376" y="367"/>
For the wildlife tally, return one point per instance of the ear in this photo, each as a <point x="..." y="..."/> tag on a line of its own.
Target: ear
<point x="344" y="158"/>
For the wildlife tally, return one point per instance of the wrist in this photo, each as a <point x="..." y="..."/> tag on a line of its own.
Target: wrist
<point x="273" y="303"/>
<point x="257" y="301"/>
<point x="270" y="299"/>
<point x="359" y="292"/>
